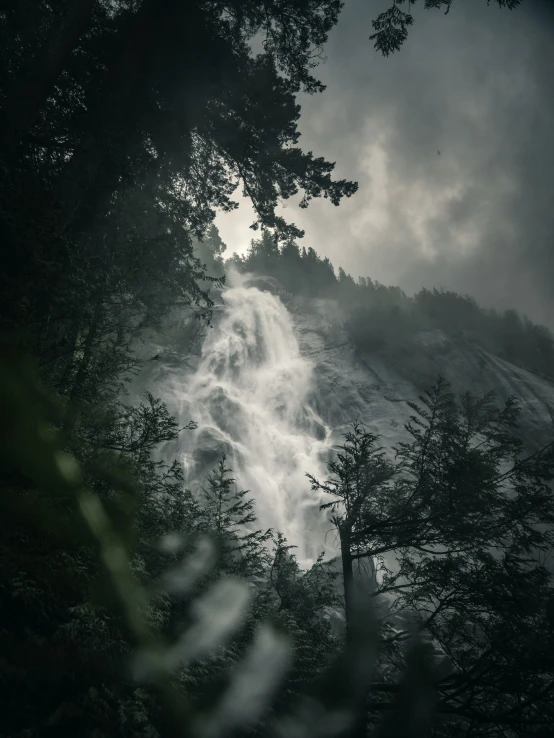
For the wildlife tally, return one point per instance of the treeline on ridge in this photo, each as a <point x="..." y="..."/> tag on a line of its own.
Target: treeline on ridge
<point x="380" y="315"/>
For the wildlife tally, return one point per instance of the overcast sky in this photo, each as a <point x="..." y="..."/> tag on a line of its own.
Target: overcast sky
<point x="476" y="85"/>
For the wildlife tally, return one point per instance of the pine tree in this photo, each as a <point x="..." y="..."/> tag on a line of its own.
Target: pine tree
<point x="391" y="26"/>
<point x="66" y="645"/>
<point x="300" y="601"/>
<point x="229" y="515"/>
<point x="457" y="529"/>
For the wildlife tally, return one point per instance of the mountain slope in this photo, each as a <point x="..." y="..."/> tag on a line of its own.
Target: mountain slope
<point x="373" y="386"/>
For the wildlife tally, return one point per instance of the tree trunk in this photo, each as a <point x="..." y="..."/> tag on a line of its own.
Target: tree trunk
<point x="358" y="690"/>
<point x="32" y="92"/>
<point x="348" y="580"/>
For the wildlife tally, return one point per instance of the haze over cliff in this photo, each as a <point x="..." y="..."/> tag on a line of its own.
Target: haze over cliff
<point x="277" y="380"/>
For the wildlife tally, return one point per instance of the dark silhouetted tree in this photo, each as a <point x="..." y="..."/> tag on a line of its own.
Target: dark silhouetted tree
<point x="458" y="529"/>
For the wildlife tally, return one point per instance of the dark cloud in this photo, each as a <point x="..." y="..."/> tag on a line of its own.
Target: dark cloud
<point x="478" y="86"/>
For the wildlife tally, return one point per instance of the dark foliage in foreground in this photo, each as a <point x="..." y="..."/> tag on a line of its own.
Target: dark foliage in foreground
<point x="133" y="607"/>
<point x="130" y="608"/>
<point x="458" y="527"/>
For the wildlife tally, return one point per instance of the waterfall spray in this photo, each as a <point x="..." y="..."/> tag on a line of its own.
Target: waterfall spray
<point x="250" y="398"/>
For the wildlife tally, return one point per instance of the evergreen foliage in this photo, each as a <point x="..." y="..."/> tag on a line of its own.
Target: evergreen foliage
<point x="229" y="516"/>
<point x="459" y="529"/>
<point x="124" y="126"/>
<point x="167" y="607"/>
<point x="455" y="526"/>
<point x="391" y="26"/>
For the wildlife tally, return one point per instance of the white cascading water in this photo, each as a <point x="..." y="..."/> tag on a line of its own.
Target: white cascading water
<point x="249" y="395"/>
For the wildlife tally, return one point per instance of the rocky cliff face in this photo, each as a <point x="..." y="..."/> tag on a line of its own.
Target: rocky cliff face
<point x="373" y="387"/>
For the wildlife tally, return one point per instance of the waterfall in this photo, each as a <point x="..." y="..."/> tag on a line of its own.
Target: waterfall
<point x="250" y="398"/>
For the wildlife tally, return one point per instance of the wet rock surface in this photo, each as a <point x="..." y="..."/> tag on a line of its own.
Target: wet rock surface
<point x="373" y="387"/>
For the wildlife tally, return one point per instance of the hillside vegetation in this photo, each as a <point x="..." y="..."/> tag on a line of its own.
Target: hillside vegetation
<point x="379" y="315"/>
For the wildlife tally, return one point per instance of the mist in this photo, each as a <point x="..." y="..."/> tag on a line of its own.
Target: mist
<point x="250" y="395"/>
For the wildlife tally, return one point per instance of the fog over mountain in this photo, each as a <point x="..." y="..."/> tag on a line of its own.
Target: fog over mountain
<point x="475" y="86"/>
